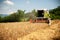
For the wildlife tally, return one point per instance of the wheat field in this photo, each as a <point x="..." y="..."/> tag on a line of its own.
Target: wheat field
<point x="30" y="31"/>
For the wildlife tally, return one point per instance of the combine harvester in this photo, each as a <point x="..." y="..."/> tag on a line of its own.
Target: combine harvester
<point x="43" y="16"/>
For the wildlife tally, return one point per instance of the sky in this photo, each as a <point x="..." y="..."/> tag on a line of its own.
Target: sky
<point x="10" y="6"/>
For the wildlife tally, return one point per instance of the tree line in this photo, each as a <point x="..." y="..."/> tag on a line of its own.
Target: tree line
<point x="55" y="13"/>
<point x="14" y="17"/>
<point x="20" y="15"/>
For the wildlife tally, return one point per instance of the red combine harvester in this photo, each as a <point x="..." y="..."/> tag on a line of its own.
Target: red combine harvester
<point x="40" y="18"/>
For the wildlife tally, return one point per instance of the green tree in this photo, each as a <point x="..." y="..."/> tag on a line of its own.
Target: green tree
<point x="21" y="14"/>
<point x="34" y="12"/>
<point x="55" y="13"/>
<point x="30" y="15"/>
<point x="16" y="17"/>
